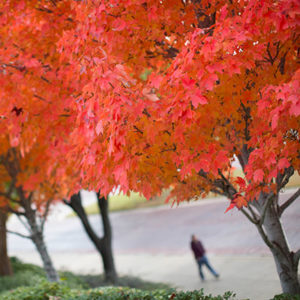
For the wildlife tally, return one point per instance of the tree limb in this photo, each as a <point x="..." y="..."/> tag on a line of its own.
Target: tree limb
<point x="76" y="204"/>
<point x="24" y="224"/>
<point x="8" y="196"/>
<point x="283" y="179"/>
<point x="254" y="214"/>
<point x="250" y="218"/>
<point x="218" y="192"/>
<point x="11" y="210"/>
<point x="264" y="236"/>
<point x="267" y="204"/>
<point x="44" y="217"/>
<point x="287" y="203"/>
<point x="19" y="234"/>
<point x="297" y="257"/>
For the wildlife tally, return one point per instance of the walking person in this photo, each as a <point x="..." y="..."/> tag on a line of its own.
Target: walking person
<point x="199" y="253"/>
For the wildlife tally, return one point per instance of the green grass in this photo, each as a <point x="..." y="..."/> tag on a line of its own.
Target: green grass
<point x="122" y="202"/>
<point x="29" y="274"/>
<point x="135" y="200"/>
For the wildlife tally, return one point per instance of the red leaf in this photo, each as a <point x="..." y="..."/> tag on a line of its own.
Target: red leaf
<point x="210" y="81"/>
<point x="295" y="109"/>
<point x="283" y="163"/>
<point x="198" y="99"/>
<point x="188" y="83"/>
<point x="99" y="127"/>
<point x="156" y="80"/>
<point x="231" y="206"/>
<point x="258" y="175"/>
<point x="275" y="121"/>
<point x="241" y="182"/>
<point x="240" y="201"/>
<point x="202" y="164"/>
<point x="119" y="25"/>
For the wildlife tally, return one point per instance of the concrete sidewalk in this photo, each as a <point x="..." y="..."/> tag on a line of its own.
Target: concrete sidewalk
<point x="250" y="277"/>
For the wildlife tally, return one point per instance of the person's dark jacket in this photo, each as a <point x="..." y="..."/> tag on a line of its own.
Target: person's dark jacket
<point x="198" y="249"/>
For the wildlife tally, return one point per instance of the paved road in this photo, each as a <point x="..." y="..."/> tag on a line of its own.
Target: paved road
<point x="165" y="230"/>
<point x="154" y="243"/>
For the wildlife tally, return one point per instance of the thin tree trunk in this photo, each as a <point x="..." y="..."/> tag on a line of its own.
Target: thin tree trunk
<point x="38" y="239"/>
<point x="267" y="220"/>
<point x="273" y="234"/>
<point x="287" y="268"/>
<point x="5" y="266"/>
<point x="24" y="201"/>
<point x="104" y="244"/>
<point x="40" y="245"/>
<point x="107" y="252"/>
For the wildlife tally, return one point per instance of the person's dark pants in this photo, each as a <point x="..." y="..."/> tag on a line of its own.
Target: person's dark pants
<point x="204" y="261"/>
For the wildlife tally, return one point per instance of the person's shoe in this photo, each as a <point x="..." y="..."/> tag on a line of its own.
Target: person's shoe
<point x="217" y="276"/>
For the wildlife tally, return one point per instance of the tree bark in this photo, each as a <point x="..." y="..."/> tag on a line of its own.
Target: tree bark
<point x="40" y="245"/>
<point x="38" y="239"/>
<point x="5" y="266"/>
<point x="107" y="252"/>
<point x="104" y="244"/>
<point x="272" y="232"/>
<point x="267" y="220"/>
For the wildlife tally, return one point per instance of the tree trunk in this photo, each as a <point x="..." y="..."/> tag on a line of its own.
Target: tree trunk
<point x="104" y="244"/>
<point x="5" y="266"/>
<point x="108" y="263"/>
<point x="38" y="239"/>
<point x="40" y="245"/>
<point x="267" y="221"/>
<point x="287" y="267"/>
<point x="107" y="253"/>
<point x="286" y="263"/>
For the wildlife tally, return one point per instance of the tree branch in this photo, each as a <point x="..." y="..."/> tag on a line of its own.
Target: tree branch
<point x="8" y="196"/>
<point x="13" y="211"/>
<point x="243" y="156"/>
<point x="44" y="217"/>
<point x="283" y="179"/>
<point x="19" y="234"/>
<point x="76" y="204"/>
<point x="227" y="187"/>
<point x="264" y="236"/>
<point x="267" y="204"/>
<point x="287" y="203"/>
<point x="254" y="214"/>
<point x="218" y="192"/>
<point x="24" y="224"/>
<point x="251" y="219"/>
<point x="103" y="208"/>
<point x="297" y="257"/>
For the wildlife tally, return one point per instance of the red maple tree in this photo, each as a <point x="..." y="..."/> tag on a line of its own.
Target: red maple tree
<point x="33" y="113"/>
<point x="159" y="94"/>
<point x="177" y="90"/>
<point x="39" y="90"/>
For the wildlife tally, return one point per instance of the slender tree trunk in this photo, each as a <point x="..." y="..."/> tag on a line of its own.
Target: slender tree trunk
<point x="267" y="220"/>
<point x="40" y="245"/>
<point x="107" y="252"/>
<point x="104" y="244"/>
<point x="286" y="263"/>
<point x="25" y="208"/>
<point x="287" y="267"/>
<point x="5" y="266"/>
<point x="38" y="239"/>
<point x="108" y="263"/>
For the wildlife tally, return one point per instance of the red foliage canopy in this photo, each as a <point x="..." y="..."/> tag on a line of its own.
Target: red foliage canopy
<point x="156" y="93"/>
